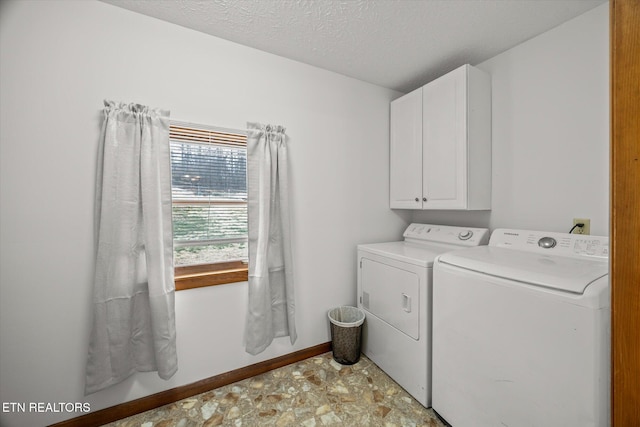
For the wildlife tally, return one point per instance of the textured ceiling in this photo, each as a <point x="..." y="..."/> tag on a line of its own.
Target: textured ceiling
<point x="398" y="44"/>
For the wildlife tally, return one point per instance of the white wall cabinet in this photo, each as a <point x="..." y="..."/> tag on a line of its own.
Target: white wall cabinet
<point x="440" y="144"/>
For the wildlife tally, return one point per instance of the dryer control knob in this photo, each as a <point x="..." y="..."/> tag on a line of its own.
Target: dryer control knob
<point x="465" y="235"/>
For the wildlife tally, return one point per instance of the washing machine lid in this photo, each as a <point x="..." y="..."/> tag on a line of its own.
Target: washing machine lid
<point x="569" y="274"/>
<point x="416" y="254"/>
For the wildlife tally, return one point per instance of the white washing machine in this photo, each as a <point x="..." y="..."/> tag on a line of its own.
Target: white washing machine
<point x="394" y="290"/>
<point x="522" y="330"/>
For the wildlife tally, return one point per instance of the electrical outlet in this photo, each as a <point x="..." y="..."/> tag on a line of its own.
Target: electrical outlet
<point x="582" y="230"/>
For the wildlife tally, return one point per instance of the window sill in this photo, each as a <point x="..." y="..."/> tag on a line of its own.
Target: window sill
<point x="200" y="276"/>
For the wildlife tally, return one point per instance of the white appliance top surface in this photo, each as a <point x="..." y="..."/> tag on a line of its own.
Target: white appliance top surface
<point x="422" y="255"/>
<point x="574" y="262"/>
<point x="424" y="242"/>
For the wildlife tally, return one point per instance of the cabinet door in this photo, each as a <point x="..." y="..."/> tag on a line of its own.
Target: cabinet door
<point x="405" y="167"/>
<point x="444" y="157"/>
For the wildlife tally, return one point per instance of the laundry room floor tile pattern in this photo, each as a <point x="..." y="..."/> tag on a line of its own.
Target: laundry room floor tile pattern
<point x="314" y="392"/>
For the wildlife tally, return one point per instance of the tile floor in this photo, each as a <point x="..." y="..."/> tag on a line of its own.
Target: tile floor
<point x="314" y="392"/>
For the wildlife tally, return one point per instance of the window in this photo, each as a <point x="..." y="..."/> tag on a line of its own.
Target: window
<point x="209" y="190"/>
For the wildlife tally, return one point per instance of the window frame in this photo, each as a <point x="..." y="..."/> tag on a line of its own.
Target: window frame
<point x="211" y="274"/>
<point x="203" y="275"/>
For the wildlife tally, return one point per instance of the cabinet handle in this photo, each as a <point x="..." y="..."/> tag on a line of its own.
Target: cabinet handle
<point x="417" y="200"/>
<point x="424" y="199"/>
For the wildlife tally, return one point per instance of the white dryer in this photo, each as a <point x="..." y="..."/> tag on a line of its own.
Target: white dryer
<point x="394" y="290"/>
<point x="521" y="332"/>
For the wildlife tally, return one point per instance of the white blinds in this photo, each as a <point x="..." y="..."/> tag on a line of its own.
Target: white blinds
<point x="209" y="189"/>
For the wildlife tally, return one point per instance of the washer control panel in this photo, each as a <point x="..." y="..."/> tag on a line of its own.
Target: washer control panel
<point x="464" y="236"/>
<point x="561" y="244"/>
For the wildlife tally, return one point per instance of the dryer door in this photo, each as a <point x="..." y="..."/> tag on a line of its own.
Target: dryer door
<point x="392" y="294"/>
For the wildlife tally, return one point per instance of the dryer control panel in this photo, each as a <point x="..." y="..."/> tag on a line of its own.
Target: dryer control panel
<point x="559" y="244"/>
<point x="463" y="236"/>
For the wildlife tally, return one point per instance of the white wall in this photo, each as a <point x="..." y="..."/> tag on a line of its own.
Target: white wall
<point x="58" y="61"/>
<point x="550" y="132"/>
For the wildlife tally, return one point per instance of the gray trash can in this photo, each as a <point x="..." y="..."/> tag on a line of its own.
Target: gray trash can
<point x="346" y="333"/>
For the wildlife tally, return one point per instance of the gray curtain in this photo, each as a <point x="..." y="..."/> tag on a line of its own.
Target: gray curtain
<point x="271" y="310"/>
<point x="134" y="318"/>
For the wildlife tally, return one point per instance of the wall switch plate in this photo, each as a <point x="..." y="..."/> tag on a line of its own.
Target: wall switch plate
<point x="582" y="230"/>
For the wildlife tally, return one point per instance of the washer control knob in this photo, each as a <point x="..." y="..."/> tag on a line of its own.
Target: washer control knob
<point x="547" y="242"/>
<point x="465" y="235"/>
